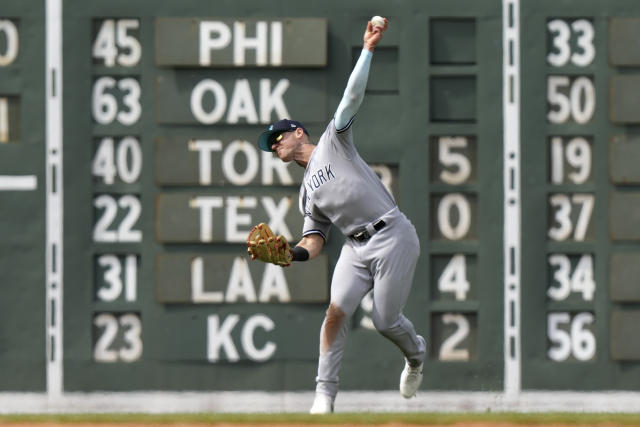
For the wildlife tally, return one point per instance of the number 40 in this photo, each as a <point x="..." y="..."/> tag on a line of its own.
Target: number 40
<point x="123" y="160"/>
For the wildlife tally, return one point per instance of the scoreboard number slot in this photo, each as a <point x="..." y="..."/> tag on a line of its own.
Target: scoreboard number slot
<point x="454" y="336"/>
<point x="114" y="44"/>
<point x="449" y="204"/>
<point x="454" y="213"/>
<point x="570" y="97"/>
<point x="581" y="53"/>
<point x="117" y="277"/>
<point x="571" y="160"/>
<point x="4" y="119"/>
<point x="457" y="166"/>
<point x="453" y="278"/>
<point x="453" y="159"/>
<point x="10" y="122"/>
<point x="126" y="209"/>
<point x="565" y="211"/>
<point x="9" y="32"/>
<point x="116" y="100"/>
<point x="571" y="336"/>
<point x="449" y="350"/>
<point x="118" y="337"/>
<point x="571" y="274"/>
<point x="122" y="160"/>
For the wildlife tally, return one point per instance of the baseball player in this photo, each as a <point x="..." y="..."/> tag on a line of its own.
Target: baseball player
<point x="381" y="248"/>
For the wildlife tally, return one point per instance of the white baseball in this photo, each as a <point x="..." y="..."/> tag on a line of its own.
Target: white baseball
<point x="377" y="21"/>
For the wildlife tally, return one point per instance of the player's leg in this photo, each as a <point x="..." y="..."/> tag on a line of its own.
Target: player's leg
<point x="350" y="283"/>
<point x="390" y="294"/>
<point x="394" y="267"/>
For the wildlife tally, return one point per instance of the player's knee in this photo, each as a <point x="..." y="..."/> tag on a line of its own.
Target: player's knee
<point x="334" y="317"/>
<point x="383" y="324"/>
<point x="333" y="321"/>
<point x="334" y="310"/>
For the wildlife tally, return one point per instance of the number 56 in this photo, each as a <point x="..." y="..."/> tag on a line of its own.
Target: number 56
<point x="579" y="340"/>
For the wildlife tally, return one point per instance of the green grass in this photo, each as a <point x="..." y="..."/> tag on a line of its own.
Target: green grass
<point x="339" y="418"/>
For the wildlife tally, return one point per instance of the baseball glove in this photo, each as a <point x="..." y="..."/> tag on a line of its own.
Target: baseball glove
<point x="267" y="247"/>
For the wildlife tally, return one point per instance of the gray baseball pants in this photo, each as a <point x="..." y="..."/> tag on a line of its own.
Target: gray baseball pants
<point x="385" y="263"/>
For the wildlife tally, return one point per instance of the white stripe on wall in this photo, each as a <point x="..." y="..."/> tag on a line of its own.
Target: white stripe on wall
<point x="54" y="206"/>
<point x="511" y="164"/>
<point x="18" y="182"/>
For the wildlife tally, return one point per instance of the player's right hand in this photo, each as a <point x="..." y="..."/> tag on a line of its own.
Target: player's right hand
<point x="372" y="35"/>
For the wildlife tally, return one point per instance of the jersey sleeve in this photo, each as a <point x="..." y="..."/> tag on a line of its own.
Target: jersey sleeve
<point x="342" y="140"/>
<point x="314" y="221"/>
<point x="313" y="226"/>
<point x="354" y="92"/>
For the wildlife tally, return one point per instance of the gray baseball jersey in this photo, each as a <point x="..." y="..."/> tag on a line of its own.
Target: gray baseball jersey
<point x="340" y="188"/>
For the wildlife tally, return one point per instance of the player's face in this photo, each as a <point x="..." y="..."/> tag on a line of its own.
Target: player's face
<point x="285" y="145"/>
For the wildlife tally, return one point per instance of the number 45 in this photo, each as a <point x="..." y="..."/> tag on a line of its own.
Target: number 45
<point x="113" y="35"/>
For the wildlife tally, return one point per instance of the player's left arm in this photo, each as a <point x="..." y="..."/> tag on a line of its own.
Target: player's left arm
<point x="308" y="247"/>
<point x="357" y="83"/>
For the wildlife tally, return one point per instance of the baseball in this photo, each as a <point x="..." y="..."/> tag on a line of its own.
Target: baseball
<point x="377" y="21"/>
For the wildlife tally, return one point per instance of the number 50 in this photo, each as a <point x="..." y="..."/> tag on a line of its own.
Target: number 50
<point x="580" y="103"/>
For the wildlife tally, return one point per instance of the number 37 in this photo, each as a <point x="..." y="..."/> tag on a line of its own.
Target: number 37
<point x="562" y="211"/>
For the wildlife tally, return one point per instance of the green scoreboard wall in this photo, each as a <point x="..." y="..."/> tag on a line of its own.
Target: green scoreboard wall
<point x="130" y="177"/>
<point x="580" y="196"/>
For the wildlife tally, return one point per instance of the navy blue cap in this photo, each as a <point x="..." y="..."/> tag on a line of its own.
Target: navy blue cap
<point x="267" y="138"/>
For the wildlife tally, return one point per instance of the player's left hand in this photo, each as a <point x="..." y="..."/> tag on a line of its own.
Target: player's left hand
<point x="267" y="247"/>
<point x="373" y="34"/>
